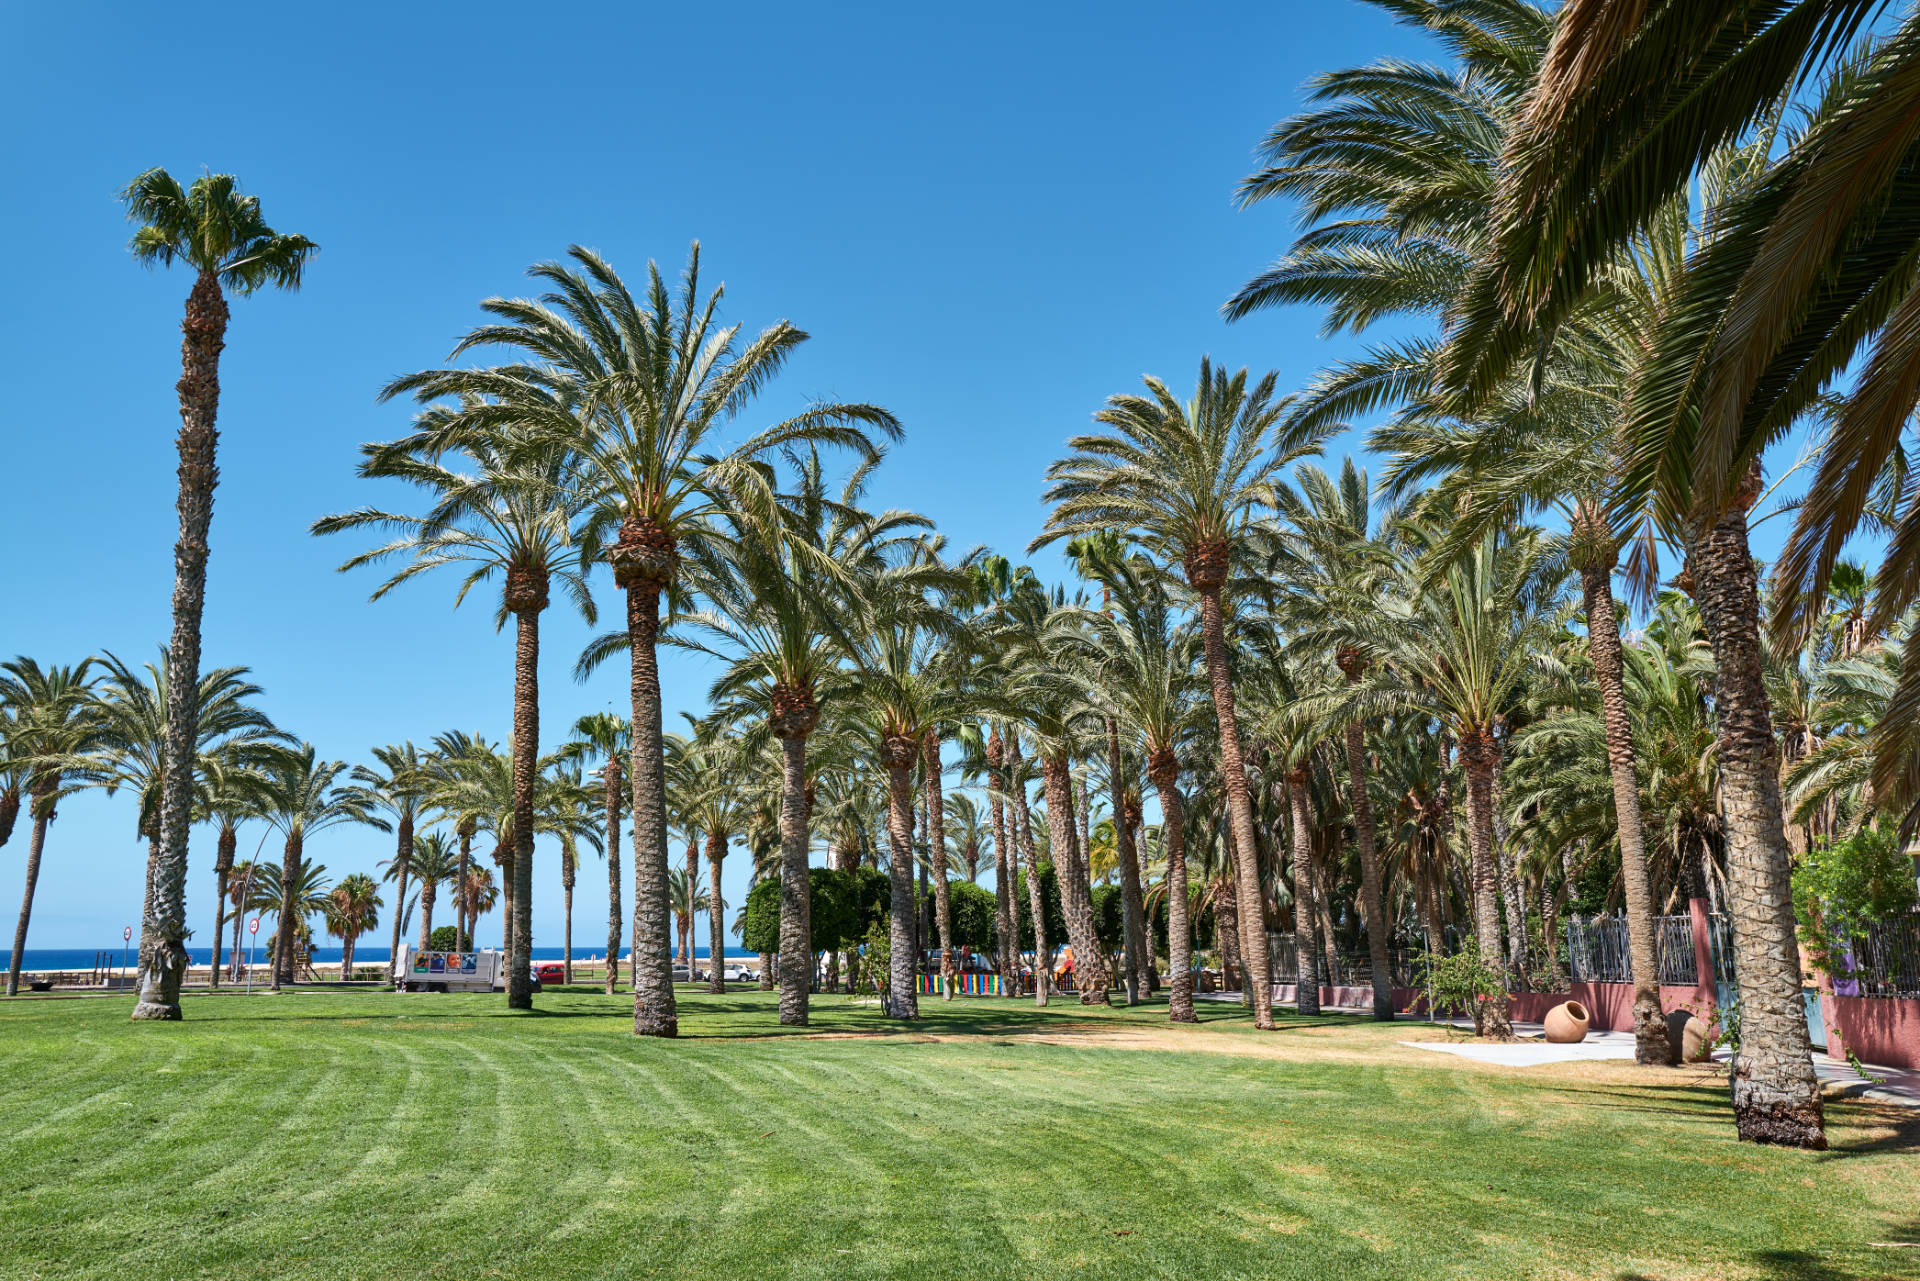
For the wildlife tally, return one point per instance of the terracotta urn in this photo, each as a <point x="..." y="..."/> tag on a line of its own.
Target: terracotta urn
<point x="1567" y="1023"/>
<point x="1696" y="1040"/>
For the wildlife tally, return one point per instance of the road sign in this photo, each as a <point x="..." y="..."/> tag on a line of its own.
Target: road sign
<point x="126" y="934"/>
<point x="253" y="926"/>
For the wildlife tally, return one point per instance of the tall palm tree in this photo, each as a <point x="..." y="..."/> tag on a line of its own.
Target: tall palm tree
<point x="654" y="379"/>
<point x="452" y="798"/>
<point x="232" y="738"/>
<point x="232" y="797"/>
<point x="400" y="787"/>
<point x="221" y="235"/>
<point x="1184" y="480"/>
<point x="295" y="894"/>
<point x="432" y="864"/>
<point x="519" y="516"/>
<point x="353" y="908"/>
<point x="53" y="726"/>
<point x="305" y="796"/>
<point x="606" y="737"/>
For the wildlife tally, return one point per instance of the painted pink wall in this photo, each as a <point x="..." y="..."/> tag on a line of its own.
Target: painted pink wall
<point x="1883" y="1031"/>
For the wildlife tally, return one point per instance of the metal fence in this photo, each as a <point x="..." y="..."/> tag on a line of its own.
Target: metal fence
<point x="1598" y="951"/>
<point x="1349" y="968"/>
<point x="1886" y="961"/>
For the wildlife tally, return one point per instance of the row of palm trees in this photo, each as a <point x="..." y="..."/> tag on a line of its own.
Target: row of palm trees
<point x="1642" y="255"/>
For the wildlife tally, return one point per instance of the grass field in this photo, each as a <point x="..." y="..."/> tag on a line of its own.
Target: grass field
<point x="361" y="1134"/>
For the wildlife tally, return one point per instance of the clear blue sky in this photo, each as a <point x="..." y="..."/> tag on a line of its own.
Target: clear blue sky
<point x="989" y="217"/>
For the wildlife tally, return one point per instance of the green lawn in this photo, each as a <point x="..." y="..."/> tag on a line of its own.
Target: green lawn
<point x="349" y="1135"/>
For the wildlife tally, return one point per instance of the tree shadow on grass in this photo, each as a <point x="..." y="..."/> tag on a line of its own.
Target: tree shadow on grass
<point x="1902" y="1126"/>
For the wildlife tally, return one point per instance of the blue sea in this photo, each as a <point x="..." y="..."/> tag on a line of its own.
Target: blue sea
<point x="75" y="958"/>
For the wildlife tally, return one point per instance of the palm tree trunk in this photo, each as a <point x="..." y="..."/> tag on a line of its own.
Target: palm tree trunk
<point x="1165" y="774"/>
<point x="531" y="596"/>
<point x="1478" y="750"/>
<point x="403" y="859"/>
<point x="937" y="856"/>
<point x="1036" y="899"/>
<point x="693" y="893"/>
<point x="35" y="847"/>
<point x="796" y="886"/>
<point x="655" y="1012"/>
<point x="1226" y="929"/>
<point x="900" y="752"/>
<point x="1323" y="912"/>
<point x="716" y="917"/>
<point x="219" y="930"/>
<point x="1233" y="770"/>
<point x="1133" y="902"/>
<point x="1373" y="912"/>
<point x="1076" y="895"/>
<point x="1003" y="911"/>
<point x="567" y="871"/>
<point x="164" y="928"/>
<point x="428" y="891"/>
<point x="1603" y="645"/>
<point x="462" y="927"/>
<point x="1776" y="1096"/>
<point x="346" y="956"/>
<point x="611" y="780"/>
<point x="283" y="933"/>
<point x="1306" y="982"/>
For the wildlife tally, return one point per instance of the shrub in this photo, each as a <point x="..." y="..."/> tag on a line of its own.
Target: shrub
<point x="1460" y="981"/>
<point x="445" y="938"/>
<point x="1842" y="887"/>
<point x="973" y="910"/>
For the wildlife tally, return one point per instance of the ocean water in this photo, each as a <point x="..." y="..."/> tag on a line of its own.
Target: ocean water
<point x="75" y="958"/>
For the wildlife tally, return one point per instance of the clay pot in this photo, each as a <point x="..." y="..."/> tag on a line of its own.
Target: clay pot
<point x="1567" y="1023"/>
<point x="1696" y="1041"/>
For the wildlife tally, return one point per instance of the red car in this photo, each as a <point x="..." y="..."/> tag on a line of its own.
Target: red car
<point x="550" y="972"/>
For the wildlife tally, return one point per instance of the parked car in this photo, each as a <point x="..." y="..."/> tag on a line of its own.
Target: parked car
<point x="681" y="974"/>
<point x="550" y="972"/>
<point x="737" y="973"/>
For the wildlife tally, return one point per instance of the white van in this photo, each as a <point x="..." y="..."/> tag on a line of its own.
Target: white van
<point x="418" y="971"/>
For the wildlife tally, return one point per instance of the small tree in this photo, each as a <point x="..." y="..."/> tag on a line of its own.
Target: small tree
<point x="1842" y="887"/>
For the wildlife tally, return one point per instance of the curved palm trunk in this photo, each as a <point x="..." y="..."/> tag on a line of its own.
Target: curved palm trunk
<point x="796" y="887"/>
<point x="1003" y="912"/>
<point x="1076" y="896"/>
<point x="526" y="589"/>
<point x="1478" y="752"/>
<point x="1603" y="645"/>
<point x="902" y="1001"/>
<point x="1233" y="770"/>
<point x="1132" y="899"/>
<point x="611" y="781"/>
<point x="163" y="929"/>
<point x="403" y="858"/>
<point x="1373" y="912"/>
<point x="1036" y="900"/>
<point x="283" y="934"/>
<point x="716" y="917"/>
<point x="655" y="1012"/>
<point x="1776" y="1096"/>
<point x="35" y="846"/>
<point x="937" y="856"/>
<point x="1165" y="775"/>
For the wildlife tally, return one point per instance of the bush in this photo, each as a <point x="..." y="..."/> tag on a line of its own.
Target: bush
<point x="1459" y="981"/>
<point x="760" y="919"/>
<point x="1839" y="889"/>
<point x="445" y="938"/>
<point x="1050" y="904"/>
<point x="1109" y="917"/>
<point x="840" y="908"/>
<point x="973" y="911"/>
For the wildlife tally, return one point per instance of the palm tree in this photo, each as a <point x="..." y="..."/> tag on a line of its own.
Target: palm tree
<point x="606" y="737"/>
<point x="519" y="517"/>
<point x="432" y="864"/>
<point x="1184" y="480"/>
<point x="53" y="725"/>
<point x="640" y="389"/>
<point x="968" y="835"/>
<point x="1142" y="677"/>
<point x="401" y="787"/>
<point x="221" y="235"/>
<point x="304" y="796"/>
<point x="294" y="893"/>
<point x="477" y="894"/>
<point x="232" y="738"/>
<point x="452" y="798"/>
<point x="353" y="908"/>
<point x="233" y="795"/>
<point x="773" y="588"/>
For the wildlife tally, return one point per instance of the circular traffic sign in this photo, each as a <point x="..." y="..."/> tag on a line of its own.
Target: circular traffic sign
<point x="126" y="934"/>
<point x="253" y="926"/>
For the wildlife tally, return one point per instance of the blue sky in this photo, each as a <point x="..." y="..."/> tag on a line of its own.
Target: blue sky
<point x="989" y="217"/>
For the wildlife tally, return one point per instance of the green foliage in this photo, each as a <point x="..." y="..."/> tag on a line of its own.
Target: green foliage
<point x="877" y="960"/>
<point x="445" y="938"/>
<point x="973" y="908"/>
<point x="760" y="921"/>
<point x="1459" y="981"/>
<point x="1109" y="917"/>
<point x="841" y="906"/>
<point x="1841" y="888"/>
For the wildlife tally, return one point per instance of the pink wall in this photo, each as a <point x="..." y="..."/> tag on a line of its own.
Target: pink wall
<point x="1879" y="1030"/>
